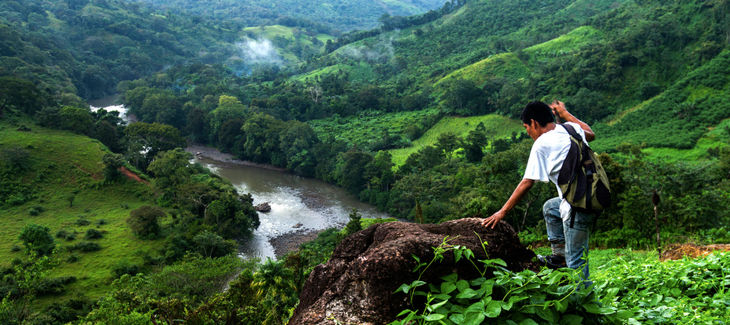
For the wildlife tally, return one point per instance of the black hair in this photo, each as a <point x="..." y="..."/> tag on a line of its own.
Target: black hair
<point x="538" y="111"/>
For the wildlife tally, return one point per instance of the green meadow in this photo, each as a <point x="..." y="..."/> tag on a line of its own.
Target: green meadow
<point x="69" y="197"/>
<point x="497" y="126"/>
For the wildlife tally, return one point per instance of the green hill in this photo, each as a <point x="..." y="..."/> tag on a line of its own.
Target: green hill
<point x="61" y="179"/>
<point x="343" y="15"/>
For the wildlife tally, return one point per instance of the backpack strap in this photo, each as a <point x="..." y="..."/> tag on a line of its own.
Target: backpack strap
<point x="571" y="131"/>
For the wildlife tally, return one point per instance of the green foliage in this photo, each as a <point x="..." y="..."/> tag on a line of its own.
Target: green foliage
<point x="112" y="163"/>
<point x="85" y="247"/>
<point x="70" y="48"/>
<point x="125" y="267"/>
<point x="671" y="292"/>
<point x="325" y="16"/>
<point x="501" y="295"/>
<point x="173" y="293"/>
<point x="146" y="140"/>
<point x="37" y="239"/>
<point x="210" y="244"/>
<point x="365" y="129"/>
<point x="92" y="234"/>
<point x="19" y="94"/>
<point x="353" y="225"/>
<point x="144" y="221"/>
<point x="232" y="216"/>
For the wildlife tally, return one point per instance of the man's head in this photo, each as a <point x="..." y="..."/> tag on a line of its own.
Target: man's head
<point x="535" y="117"/>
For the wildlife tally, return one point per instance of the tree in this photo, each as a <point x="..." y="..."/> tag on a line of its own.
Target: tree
<point x="145" y="141"/>
<point x="296" y="142"/>
<point x="229" y="108"/>
<point x="353" y="225"/>
<point x="76" y="119"/>
<point x="351" y="172"/>
<point x="209" y="244"/>
<point x="144" y="221"/>
<point x="20" y="94"/>
<point x="37" y="239"/>
<point x="112" y="163"/>
<point x="463" y="97"/>
<point x="447" y="143"/>
<point x="475" y="141"/>
<point x="261" y="132"/>
<point x="232" y="216"/>
<point x="275" y="287"/>
<point x="171" y="169"/>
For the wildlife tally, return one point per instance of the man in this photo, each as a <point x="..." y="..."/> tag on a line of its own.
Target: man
<point x="552" y="143"/>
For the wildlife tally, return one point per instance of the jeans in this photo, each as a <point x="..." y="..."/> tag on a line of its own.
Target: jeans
<point x="575" y="239"/>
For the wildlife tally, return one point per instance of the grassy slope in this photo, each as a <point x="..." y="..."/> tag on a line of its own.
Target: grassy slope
<point x="497" y="127"/>
<point x="359" y="130"/>
<point x="273" y="31"/>
<point x="69" y="162"/>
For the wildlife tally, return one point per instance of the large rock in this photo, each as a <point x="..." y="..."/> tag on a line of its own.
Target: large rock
<point x="356" y="286"/>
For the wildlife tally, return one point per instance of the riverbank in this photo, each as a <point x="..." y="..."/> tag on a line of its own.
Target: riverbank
<point x="291" y="241"/>
<point x="226" y="158"/>
<point x="283" y="243"/>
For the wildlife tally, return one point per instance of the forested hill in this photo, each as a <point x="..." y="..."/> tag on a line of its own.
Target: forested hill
<point x="613" y="62"/>
<point x="416" y="116"/>
<point x="84" y="48"/>
<point x="327" y="15"/>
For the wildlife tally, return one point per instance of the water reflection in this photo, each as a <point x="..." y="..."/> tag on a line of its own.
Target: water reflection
<point x="297" y="203"/>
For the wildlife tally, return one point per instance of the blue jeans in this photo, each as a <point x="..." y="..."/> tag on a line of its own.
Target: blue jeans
<point x="575" y="238"/>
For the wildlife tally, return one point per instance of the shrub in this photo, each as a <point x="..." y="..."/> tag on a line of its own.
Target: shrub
<point x="353" y="225"/>
<point x="144" y="221"/>
<point x="36" y="210"/>
<point x="53" y="285"/>
<point x="125" y="267"/>
<point x="82" y="221"/>
<point x="93" y="234"/>
<point x="72" y="258"/>
<point x="101" y="222"/>
<point x="15" y="248"/>
<point x="210" y="244"/>
<point x="38" y="239"/>
<point x="85" y="247"/>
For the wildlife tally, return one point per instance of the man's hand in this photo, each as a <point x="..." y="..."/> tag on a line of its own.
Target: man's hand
<point x="559" y="109"/>
<point x="561" y="113"/>
<point x="494" y="219"/>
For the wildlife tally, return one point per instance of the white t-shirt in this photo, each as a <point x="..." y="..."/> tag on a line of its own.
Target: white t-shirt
<point x="547" y="156"/>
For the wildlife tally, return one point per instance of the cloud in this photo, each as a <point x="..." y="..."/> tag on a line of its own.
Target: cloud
<point x="259" y="51"/>
<point x="380" y="51"/>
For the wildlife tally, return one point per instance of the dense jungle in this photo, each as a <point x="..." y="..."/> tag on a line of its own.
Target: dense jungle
<point x="410" y="107"/>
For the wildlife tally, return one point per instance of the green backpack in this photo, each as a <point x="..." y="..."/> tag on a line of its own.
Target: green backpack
<point x="582" y="179"/>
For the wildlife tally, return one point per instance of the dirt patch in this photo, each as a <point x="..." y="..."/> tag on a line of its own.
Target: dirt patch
<point x="132" y="176"/>
<point x="678" y="251"/>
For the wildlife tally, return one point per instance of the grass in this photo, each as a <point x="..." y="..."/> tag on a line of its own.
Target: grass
<point x="63" y="163"/>
<point x="508" y="65"/>
<point x="505" y="65"/>
<point x="369" y="126"/>
<point x="717" y="137"/>
<point x="497" y="126"/>
<point x="566" y="44"/>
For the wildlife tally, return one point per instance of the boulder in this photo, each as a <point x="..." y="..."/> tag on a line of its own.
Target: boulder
<point x="263" y="207"/>
<point x="357" y="285"/>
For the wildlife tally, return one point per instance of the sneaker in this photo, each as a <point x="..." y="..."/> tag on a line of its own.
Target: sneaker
<point x="552" y="261"/>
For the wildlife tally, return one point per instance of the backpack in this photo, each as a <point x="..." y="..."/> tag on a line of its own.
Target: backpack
<point x="582" y="179"/>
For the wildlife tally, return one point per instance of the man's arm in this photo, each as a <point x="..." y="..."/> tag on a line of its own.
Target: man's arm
<point x="562" y="113"/>
<point x="515" y="198"/>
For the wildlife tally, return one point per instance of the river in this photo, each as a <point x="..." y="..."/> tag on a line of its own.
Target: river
<point x="111" y="103"/>
<point x="300" y="207"/>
